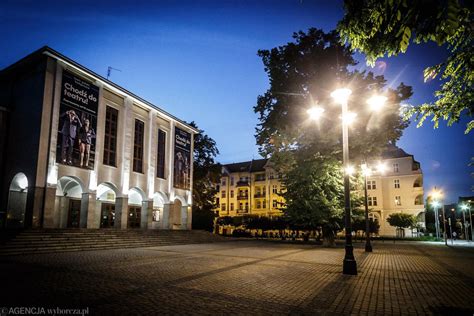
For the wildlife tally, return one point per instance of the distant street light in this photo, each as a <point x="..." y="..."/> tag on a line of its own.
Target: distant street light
<point x="436" y="195"/>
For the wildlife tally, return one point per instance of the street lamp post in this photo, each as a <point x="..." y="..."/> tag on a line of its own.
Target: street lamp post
<point x="435" y="204"/>
<point x="450" y="221"/>
<point x="444" y="225"/>
<point x="466" y="231"/>
<point x="349" y="264"/>
<point x="465" y="207"/>
<point x="470" y="222"/>
<point x="436" y="194"/>
<point x="341" y="96"/>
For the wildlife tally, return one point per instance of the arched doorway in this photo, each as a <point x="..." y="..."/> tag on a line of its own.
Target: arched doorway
<point x="71" y="213"/>
<point x="135" y="208"/>
<point x="159" y="218"/>
<point x="106" y="195"/>
<point x="178" y="213"/>
<point x="16" y="206"/>
<point x="175" y="215"/>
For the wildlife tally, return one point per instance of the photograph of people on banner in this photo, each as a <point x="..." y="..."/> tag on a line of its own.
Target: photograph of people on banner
<point x="77" y="122"/>
<point x="182" y="159"/>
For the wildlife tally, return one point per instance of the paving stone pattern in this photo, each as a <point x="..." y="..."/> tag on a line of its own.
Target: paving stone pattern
<point x="245" y="277"/>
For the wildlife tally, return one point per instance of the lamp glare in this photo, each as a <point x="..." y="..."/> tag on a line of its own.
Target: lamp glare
<point x="377" y="102"/>
<point x="315" y="112"/>
<point x="341" y="95"/>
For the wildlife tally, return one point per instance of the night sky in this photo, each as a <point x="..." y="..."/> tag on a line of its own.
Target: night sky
<point x="198" y="60"/>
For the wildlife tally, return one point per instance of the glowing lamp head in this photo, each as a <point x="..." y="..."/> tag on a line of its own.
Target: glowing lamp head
<point x="464" y="207"/>
<point x="436" y="194"/>
<point x="23" y="182"/>
<point x="315" y="112"/>
<point x="341" y="95"/>
<point x="377" y="102"/>
<point x="436" y="204"/>
<point x="350" y="170"/>
<point x="381" y="168"/>
<point x="366" y="170"/>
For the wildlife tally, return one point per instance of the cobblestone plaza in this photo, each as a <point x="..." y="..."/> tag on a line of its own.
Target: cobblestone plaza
<point x="245" y="277"/>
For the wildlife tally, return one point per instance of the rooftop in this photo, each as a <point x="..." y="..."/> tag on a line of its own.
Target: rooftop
<point x="247" y="166"/>
<point x="48" y="51"/>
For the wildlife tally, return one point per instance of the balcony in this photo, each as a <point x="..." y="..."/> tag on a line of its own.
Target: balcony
<point x="242" y="197"/>
<point x="259" y="195"/>
<point x="242" y="183"/>
<point x="261" y="178"/>
<point x="242" y="210"/>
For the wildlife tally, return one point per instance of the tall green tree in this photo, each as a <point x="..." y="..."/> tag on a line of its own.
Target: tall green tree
<point x="205" y="174"/>
<point x="314" y="194"/>
<point x="378" y="28"/>
<point x="302" y="74"/>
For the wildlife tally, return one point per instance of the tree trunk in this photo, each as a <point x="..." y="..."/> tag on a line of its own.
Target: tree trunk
<point x="328" y="239"/>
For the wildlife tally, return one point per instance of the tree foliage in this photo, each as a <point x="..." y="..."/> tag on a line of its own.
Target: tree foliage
<point x="401" y="220"/>
<point x="378" y="28"/>
<point x="308" y="154"/>
<point x="314" y="193"/>
<point x="205" y="173"/>
<point x="358" y="223"/>
<point x="303" y="73"/>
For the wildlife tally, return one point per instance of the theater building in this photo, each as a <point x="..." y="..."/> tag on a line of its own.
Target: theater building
<point x="253" y="188"/>
<point x="78" y="151"/>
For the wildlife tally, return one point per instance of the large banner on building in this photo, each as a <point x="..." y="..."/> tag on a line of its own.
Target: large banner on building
<point x="182" y="159"/>
<point x="77" y="122"/>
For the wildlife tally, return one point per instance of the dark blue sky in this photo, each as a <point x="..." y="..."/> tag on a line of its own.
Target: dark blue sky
<point x="198" y="60"/>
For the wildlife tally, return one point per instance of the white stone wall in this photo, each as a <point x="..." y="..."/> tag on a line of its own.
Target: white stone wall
<point x="120" y="178"/>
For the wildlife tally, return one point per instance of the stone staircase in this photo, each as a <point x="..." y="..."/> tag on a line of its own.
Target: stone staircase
<point x="62" y="240"/>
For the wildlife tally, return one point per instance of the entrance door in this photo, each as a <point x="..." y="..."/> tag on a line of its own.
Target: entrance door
<point x="74" y="213"/>
<point x="107" y="218"/>
<point x="134" y="216"/>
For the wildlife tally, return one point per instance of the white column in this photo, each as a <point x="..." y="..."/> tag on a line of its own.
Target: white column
<point x="121" y="212"/>
<point x="152" y="148"/>
<point x="166" y="216"/>
<point x="147" y="215"/>
<point x="127" y="144"/>
<point x="171" y="161"/>
<point x="49" y="212"/>
<point x="89" y="201"/>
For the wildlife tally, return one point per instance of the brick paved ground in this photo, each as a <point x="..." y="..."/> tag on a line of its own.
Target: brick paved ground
<point x="245" y="277"/>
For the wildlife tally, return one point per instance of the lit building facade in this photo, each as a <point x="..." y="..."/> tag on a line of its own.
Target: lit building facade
<point x="249" y="188"/>
<point x="78" y="151"/>
<point x="252" y="187"/>
<point x="399" y="189"/>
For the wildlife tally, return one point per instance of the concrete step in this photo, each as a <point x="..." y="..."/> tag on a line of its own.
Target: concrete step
<point x="60" y="240"/>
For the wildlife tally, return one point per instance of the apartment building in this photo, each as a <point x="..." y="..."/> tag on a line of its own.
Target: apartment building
<point x="253" y="187"/>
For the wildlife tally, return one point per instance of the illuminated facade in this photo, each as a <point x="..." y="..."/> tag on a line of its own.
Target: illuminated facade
<point x="251" y="188"/>
<point x="79" y="151"/>
<point x="397" y="190"/>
